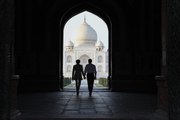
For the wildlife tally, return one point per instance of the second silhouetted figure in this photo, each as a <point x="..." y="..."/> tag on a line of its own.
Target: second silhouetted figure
<point x="90" y="72"/>
<point x="77" y="74"/>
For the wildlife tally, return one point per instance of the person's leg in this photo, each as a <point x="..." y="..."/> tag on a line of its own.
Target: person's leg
<point x="90" y="83"/>
<point x="77" y="90"/>
<point x="91" y="86"/>
<point x="79" y="84"/>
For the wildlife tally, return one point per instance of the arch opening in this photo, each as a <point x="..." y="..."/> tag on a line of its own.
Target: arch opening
<point x="85" y="36"/>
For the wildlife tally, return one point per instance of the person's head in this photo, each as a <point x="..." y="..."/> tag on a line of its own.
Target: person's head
<point x="89" y="60"/>
<point x="77" y="61"/>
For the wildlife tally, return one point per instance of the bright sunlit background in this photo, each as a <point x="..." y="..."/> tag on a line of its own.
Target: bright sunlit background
<point x="94" y="21"/>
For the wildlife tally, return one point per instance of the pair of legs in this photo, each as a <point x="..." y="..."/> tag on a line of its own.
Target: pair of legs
<point x="78" y="84"/>
<point x="90" y="80"/>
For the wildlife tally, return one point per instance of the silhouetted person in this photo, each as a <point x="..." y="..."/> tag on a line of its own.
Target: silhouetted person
<point x="77" y="74"/>
<point x="90" y="72"/>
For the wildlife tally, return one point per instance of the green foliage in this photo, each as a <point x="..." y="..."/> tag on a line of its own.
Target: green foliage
<point x="67" y="81"/>
<point x="103" y="81"/>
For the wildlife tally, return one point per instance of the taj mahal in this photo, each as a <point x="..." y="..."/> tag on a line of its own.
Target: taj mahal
<point x="85" y="46"/>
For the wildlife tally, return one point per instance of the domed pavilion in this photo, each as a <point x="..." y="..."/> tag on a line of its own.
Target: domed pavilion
<point x="84" y="45"/>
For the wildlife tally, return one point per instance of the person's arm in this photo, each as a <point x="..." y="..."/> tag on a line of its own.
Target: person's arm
<point x="85" y="71"/>
<point x="82" y="72"/>
<point x="95" y="72"/>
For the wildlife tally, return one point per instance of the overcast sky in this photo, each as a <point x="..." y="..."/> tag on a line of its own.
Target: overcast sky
<point x="94" y="21"/>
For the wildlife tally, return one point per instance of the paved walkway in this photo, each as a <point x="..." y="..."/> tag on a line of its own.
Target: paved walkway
<point x="101" y="105"/>
<point x="84" y="87"/>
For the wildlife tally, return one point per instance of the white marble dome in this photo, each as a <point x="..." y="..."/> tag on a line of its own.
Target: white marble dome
<point x="84" y="35"/>
<point x="99" y="44"/>
<point x="69" y="44"/>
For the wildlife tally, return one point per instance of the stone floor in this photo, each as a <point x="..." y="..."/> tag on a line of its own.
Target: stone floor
<point x="103" y="104"/>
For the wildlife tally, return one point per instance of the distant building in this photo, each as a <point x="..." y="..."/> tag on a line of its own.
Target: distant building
<point x="85" y="46"/>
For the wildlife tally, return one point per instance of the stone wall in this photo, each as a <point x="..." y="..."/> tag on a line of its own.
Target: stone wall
<point x="6" y="38"/>
<point x="173" y="58"/>
<point x="135" y="35"/>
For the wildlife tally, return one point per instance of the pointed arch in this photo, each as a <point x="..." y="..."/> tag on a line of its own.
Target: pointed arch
<point x="69" y="58"/>
<point x="78" y="8"/>
<point x="100" y="59"/>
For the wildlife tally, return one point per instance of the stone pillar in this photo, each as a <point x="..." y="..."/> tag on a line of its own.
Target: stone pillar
<point x="4" y="80"/>
<point x="6" y="38"/>
<point x="14" y="112"/>
<point x="173" y="58"/>
<point x="162" y="93"/>
<point x="161" y="112"/>
<point x="162" y="89"/>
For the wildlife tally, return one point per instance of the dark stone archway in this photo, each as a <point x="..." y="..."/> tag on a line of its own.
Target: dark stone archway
<point x="135" y="42"/>
<point x="76" y="9"/>
<point x="173" y="58"/>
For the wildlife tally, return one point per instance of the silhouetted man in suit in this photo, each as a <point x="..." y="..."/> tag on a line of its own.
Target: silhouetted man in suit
<point x="77" y="74"/>
<point x="90" y="72"/>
